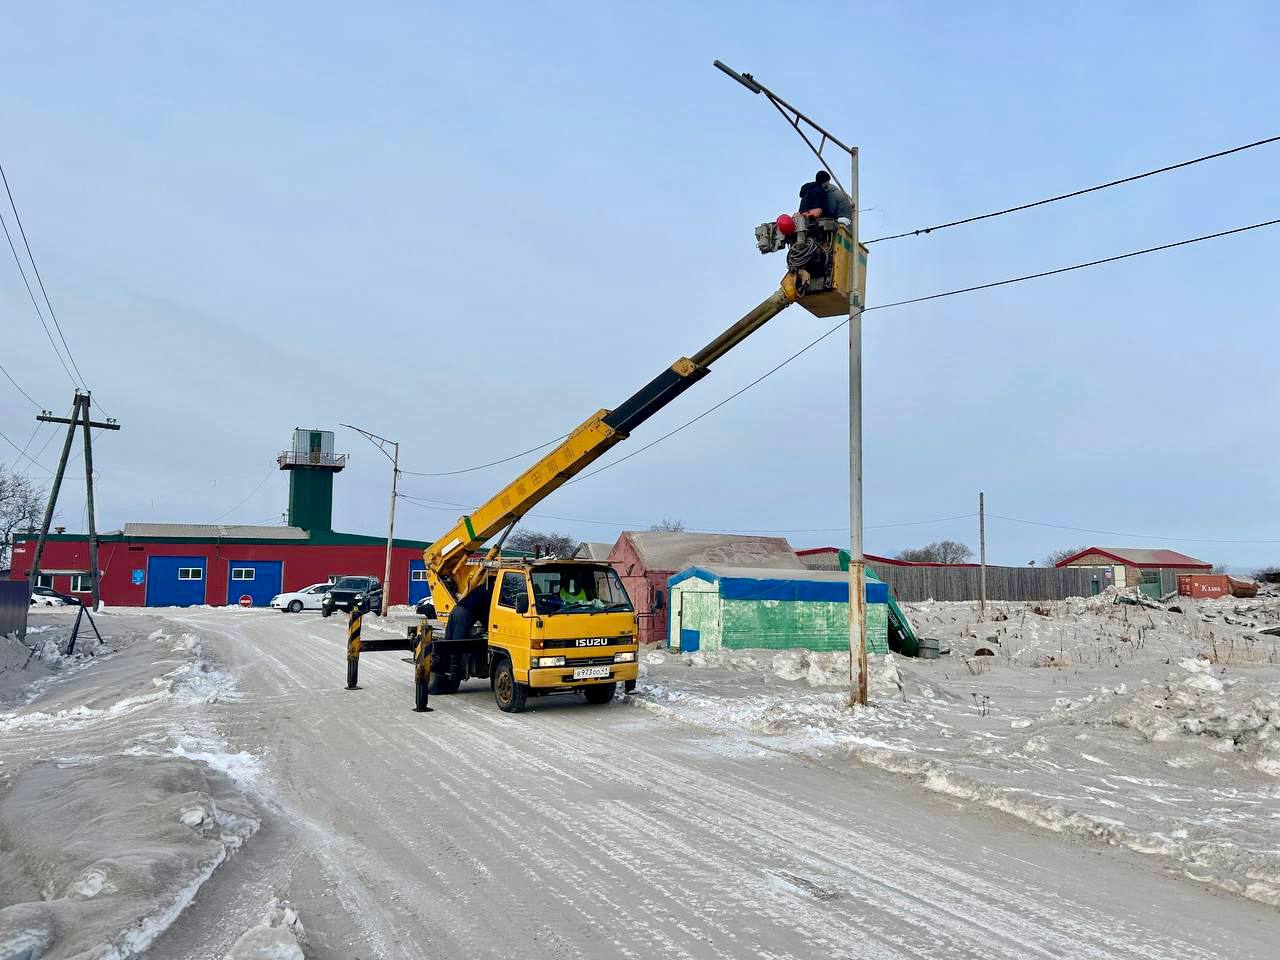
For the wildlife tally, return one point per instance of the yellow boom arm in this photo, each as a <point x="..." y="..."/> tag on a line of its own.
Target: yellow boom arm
<point x="451" y="576"/>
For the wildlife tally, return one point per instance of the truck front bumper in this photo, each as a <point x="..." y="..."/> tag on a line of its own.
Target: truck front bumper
<point x="544" y="677"/>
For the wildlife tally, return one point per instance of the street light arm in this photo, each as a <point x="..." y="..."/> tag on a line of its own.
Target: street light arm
<point x="794" y="117"/>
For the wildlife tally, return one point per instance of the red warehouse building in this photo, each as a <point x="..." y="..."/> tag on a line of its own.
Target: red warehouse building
<point x="189" y="564"/>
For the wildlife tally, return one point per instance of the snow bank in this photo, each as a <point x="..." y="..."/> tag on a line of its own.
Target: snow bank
<point x="135" y="838"/>
<point x="1227" y="714"/>
<point x="280" y="936"/>
<point x="814" y="668"/>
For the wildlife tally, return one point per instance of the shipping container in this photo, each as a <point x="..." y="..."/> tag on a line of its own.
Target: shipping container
<point x="1204" y="586"/>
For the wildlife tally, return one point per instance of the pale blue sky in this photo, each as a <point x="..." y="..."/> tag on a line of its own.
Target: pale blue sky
<point x="469" y="227"/>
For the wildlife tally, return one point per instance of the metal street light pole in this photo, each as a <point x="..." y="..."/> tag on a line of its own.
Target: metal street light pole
<point x="394" y="457"/>
<point x="857" y="560"/>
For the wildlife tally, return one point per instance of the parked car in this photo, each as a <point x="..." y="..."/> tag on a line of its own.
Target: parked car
<point x="308" y="598"/>
<point x="426" y="608"/>
<point x="66" y="598"/>
<point x="40" y="600"/>
<point x="366" y="591"/>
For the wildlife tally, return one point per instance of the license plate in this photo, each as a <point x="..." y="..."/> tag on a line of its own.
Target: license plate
<point x="590" y="673"/>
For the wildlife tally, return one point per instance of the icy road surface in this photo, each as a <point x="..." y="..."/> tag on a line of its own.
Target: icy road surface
<point x="586" y="832"/>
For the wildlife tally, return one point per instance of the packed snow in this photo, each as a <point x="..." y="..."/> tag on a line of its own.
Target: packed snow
<point x="1109" y="717"/>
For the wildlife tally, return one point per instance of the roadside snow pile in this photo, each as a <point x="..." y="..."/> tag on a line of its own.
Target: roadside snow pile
<point x="814" y="668"/>
<point x="1233" y="715"/>
<point x="280" y="936"/>
<point x="135" y="839"/>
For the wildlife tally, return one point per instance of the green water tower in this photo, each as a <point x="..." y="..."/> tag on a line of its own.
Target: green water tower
<point x="312" y="464"/>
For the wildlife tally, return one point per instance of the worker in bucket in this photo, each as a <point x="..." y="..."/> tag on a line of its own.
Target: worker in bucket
<point x="838" y="204"/>
<point x="814" y="200"/>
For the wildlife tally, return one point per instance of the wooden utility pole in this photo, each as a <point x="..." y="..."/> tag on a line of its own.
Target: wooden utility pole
<point x="79" y="417"/>
<point x="982" y="549"/>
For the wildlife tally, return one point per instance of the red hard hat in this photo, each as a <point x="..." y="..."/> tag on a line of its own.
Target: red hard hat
<point x="786" y="224"/>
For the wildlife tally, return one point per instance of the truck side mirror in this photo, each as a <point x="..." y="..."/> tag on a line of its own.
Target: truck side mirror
<point x="522" y="604"/>
<point x="659" y="601"/>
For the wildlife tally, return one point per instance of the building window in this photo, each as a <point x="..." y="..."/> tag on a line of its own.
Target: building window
<point x="242" y="573"/>
<point x="190" y="573"/>
<point x="45" y="580"/>
<point x="417" y="575"/>
<point x="81" y="583"/>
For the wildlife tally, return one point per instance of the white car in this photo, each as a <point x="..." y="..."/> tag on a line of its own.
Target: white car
<point x="41" y="600"/>
<point x="308" y="598"/>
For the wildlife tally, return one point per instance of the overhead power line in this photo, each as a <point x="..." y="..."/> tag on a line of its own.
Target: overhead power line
<point x="19" y="389"/>
<point x="39" y="279"/>
<point x="22" y="452"/>
<point x="247" y="498"/>
<point x="1076" y="193"/>
<point x="1114" y="533"/>
<point x="482" y="466"/>
<point x="30" y="293"/>
<point x="902" y="303"/>
<point x="432" y="504"/>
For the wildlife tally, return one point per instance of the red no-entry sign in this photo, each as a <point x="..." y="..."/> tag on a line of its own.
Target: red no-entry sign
<point x="246" y="601"/>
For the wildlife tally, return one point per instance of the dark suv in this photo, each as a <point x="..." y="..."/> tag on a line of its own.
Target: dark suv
<point x="346" y="591"/>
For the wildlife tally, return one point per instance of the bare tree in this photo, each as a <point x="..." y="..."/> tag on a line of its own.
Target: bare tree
<point x="1057" y="556"/>
<point x="21" y="507"/>
<point x="668" y="525"/>
<point x="1220" y="568"/>
<point x="549" y="544"/>
<point x="941" y="551"/>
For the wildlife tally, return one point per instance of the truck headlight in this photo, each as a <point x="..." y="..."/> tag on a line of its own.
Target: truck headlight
<point x="548" y="661"/>
<point x="628" y="657"/>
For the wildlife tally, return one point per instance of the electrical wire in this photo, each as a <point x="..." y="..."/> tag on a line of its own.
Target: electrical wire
<point x="269" y="472"/>
<point x="39" y="279"/>
<point x="482" y="466"/>
<point x="431" y="504"/>
<point x="902" y="303"/>
<point x="18" y="388"/>
<point x="1114" y="533"/>
<point x="22" y="452"/>
<point x="40" y="313"/>
<point x="1076" y="193"/>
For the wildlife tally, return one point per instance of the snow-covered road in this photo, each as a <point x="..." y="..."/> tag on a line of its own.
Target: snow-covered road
<point x="581" y="832"/>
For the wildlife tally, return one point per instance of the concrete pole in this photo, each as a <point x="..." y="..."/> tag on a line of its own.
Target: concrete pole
<point x="391" y="530"/>
<point x="93" y="525"/>
<point x="857" y="561"/>
<point x="982" y="549"/>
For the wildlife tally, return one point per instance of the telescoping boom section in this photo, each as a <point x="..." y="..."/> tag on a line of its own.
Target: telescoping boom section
<point x="451" y="572"/>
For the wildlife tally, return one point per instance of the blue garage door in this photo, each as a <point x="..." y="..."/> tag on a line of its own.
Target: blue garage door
<point x="417" y="581"/>
<point x="258" y="579"/>
<point x="175" y="581"/>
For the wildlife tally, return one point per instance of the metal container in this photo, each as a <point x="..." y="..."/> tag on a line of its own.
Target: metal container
<point x="1204" y="586"/>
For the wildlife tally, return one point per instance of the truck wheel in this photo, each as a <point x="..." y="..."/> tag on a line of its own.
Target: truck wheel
<point x="599" y="693"/>
<point x="628" y="686"/>
<point x="442" y="683"/>
<point x="509" y="694"/>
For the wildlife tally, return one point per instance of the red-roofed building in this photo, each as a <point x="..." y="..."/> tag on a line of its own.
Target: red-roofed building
<point x="1136" y="566"/>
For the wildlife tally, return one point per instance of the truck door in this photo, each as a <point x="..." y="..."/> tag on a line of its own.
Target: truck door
<point x="507" y="628"/>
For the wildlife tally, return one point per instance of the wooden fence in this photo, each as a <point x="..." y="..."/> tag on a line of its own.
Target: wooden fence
<point x="914" y="584"/>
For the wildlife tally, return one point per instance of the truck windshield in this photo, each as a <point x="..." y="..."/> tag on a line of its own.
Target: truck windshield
<point x="578" y="589"/>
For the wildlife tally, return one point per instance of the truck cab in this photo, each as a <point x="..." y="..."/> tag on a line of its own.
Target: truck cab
<point x="546" y="626"/>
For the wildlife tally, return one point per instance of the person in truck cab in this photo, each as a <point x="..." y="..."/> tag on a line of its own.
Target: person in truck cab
<point x="569" y="595"/>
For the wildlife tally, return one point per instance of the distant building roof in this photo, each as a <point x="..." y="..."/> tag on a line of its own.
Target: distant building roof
<point x="593" y="551"/>
<point x="843" y="554"/>
<point x="1140" y="557"/>
<point x="675" y="551"/>
<point x="214" y="531"/>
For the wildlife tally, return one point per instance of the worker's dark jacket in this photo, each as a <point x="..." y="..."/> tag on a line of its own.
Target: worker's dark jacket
<point x="813" y="196"/>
